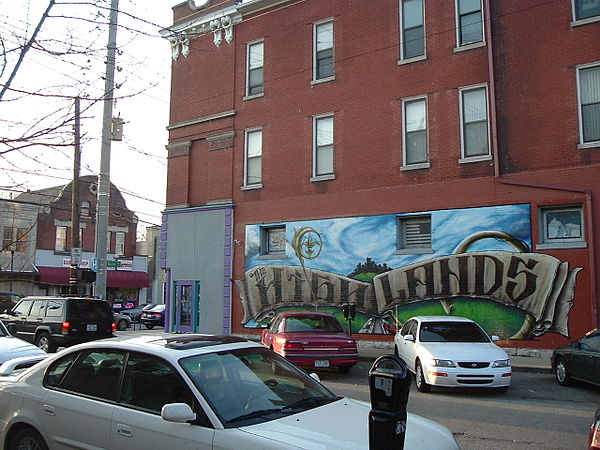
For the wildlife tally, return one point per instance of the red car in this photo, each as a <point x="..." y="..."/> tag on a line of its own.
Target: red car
<point x="311" y="339"/>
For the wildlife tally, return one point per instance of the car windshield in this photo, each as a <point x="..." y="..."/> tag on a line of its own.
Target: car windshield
<point x="253" y="385"/>
<point x="451" y="332"/>
<point x="88" y="309"/>
<point x="316" y="323"/>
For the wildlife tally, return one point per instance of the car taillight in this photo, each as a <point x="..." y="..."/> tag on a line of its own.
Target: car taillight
<point x="348" y="346"/>
<point x="113" y="326"/>
<point x="594" y="438"/>
<point x="66" y="327"/>
<point x="291" y="345"/>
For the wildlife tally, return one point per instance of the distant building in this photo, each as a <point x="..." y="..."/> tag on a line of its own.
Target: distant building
<point x="408" y="156"/>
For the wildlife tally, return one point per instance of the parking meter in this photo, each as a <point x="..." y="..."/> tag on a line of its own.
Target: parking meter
<point x="389" y="384"/>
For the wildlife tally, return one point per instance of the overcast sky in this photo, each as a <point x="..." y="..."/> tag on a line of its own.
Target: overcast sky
<point x="138" y="163"/>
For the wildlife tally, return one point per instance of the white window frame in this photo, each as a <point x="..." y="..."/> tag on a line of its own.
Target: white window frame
<point x="60" y="242"/>
<point x="119" y="243"/>
<point x="585" y="20"/>
<point x="405" y="133"/>
<point x="403" y="58"/>
<point x="474" y="158"/>
<point x="316" y="25"/>
<point x="582" y="142"/>
<point x="108" y="238"/>
<point x="247" y="157"/>
<point x="467" y="46"/>
<point x="265" y="251"/>
<point x="546" y="241"/>
<point x="249" y="68"/>
<point x="404" y="247"/>
<point x="316" y="176"/>
<point x="85" y="208"/>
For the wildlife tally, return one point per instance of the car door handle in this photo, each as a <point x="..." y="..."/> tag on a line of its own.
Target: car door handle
<point x="49" y="410"/>
<point x="124" y="430"/>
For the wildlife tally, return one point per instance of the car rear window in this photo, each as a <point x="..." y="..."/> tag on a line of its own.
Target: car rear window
<point x="89" y="309"/>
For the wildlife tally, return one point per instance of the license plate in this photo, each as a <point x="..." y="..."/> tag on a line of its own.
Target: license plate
<point x="92" y="327"/>
<point x="322" y="363"/>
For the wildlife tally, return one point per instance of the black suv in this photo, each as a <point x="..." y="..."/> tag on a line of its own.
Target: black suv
<point x="52" y="322"/>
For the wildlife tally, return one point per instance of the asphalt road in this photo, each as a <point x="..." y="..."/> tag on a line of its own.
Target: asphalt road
<point x="535" y="413"/>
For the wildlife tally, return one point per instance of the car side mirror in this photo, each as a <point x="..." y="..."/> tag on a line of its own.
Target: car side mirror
<point x="177" y="412"/>
<point x="574" y="344"/>
<point x="409" y="337"/>
<point x="12" y="328"/>
<point x="495" y="338"/>
<point x="314" y="376"/>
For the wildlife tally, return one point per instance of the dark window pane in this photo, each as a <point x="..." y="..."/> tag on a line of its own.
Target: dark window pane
<point x="591" y="122"/>
<point x="255" y="83"/>
<point x="471" y="28"/>
<point x="414" y="43"/>
<point x="416" y="147"/>
<point x="325" y="63"/>
<point x="476" y="139"/>
<point x="586" y="8"/>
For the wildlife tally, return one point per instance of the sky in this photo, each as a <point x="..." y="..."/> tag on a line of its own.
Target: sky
<point x="68" y="60"/>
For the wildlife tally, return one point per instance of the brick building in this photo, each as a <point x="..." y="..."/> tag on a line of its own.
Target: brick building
<point x="408" y="156"/>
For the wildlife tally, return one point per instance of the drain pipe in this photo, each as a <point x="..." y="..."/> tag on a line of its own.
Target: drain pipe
<point x="498" y="176"/>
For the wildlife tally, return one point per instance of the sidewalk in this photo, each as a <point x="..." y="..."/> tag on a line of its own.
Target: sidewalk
<point x="522" y="360"/>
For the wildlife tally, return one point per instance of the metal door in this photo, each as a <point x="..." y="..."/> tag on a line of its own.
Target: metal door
<point x="186" y="306"/>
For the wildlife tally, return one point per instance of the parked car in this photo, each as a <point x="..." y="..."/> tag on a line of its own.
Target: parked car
<point x="52" y="322"/>
<point x="153" y="316"/>
<point x="185" y="391"/>
<point x="311" y="339"/>
<point x="13" y="347"/>
<point x="594" y="435"/>
<point x="136" y="311"/>
<point x="579" y="360"/>
<point x="122" y="321"/>
<point x="452" y="351"/>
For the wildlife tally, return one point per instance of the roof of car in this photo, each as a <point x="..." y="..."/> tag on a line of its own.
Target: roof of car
<point x="442" y="319"/>
<point x="304" y="313"/>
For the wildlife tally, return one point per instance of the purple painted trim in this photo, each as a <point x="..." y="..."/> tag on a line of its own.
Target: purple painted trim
<point x="168" y="301"/>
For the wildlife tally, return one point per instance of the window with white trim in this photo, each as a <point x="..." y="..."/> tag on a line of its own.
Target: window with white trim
<point x="254" y="68"/>
<point x="273" y="240"/>
<point x="474" y="122"/>
<point x="588" y="80"/>
<point x="414" y="136"/>
<point x="585" y="9"/>
<point x="60" y="244"/>
<point x="323" y="145"/>
<point x="413" y="28"/>
<point x="323" y="50"/>
<point x="414" y="234"/>
<point x="119" y="243"/>
<point x="14" y="239"/>
<point x="85" y="209"/>
<point x="253" y="156"/>
<point x="108" y="239"/>
<point x="469" y="22"/>
<point x="562" y="226"/>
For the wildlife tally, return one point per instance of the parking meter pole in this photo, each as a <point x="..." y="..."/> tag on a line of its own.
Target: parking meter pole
<point x="389" y="384"/>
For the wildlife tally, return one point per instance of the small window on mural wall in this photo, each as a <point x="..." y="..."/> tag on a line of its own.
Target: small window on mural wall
<point x="273" y="241"/>
<point x="562" y="225"/>
<point x="414" y="234"/>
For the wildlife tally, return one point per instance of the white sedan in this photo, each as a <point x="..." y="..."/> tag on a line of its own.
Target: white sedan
<point x="452" y="351"/>
<point x="184" y="391"/>
<point x="12" y="347"/>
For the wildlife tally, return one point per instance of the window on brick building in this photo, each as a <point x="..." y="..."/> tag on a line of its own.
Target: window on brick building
<point x="254" y="68"/>
<point x="253" y="156"/>
<point x="14" y="239"/>
<point x="85" y="209"/>
<point x="561" y="226"/>
<point x="273" y="240"/>
<point x="414" y="234"/>
<point x="323" y="50"/>
<point x="323" y="146"/>
<point x="474" y="122"/>
<point x="119" y="243"/>
<point x="413" y="29"/>
<point x="469" y="22"/>
<point x="588" y="78"/>
<point x="586" y="9"/>
<point x="414" y="136"/>
<point x="108" y="239"/>
<point x="60" y="244"/>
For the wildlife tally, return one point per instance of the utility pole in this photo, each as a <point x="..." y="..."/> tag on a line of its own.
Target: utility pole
<point x="104" y="175"/>
<point x="75" y="244"/>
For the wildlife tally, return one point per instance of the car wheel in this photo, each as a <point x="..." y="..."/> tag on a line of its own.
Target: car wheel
<point x="122" y="325"/>
<point x="148" y="326"/>
<point x="27" y="439"/>
<point x="562" y="374"/>
<point x="44" y="342"/>
<point x="422" y="385"/>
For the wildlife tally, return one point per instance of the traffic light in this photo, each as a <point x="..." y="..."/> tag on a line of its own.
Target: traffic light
<point x="88" y="275"/>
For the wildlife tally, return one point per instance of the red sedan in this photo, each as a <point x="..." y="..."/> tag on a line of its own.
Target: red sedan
<point x="311" y="339"/>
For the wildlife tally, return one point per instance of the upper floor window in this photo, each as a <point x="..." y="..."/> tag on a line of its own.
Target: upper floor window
<point x="323" y="146"/>
<point x="414" y="234"/>
<point x="14" y="239"/>
<point x="323" y="50"/>
<point x="253" y="153"/>
<point x="108" y="240"/>
<point x="60" y="244"/>
<point x="273" y="240"/>
<point x="589" y="104"/>
<point x="474" y="122"/>
<point x="469" y="22"/>
<point x="413" y="30"/>
<point x="585" y="9"/>
<point x="119" y="243"/>
<point x="254" y="68"/>
<point x="562" y="226"/>
<point x="85" y="208"/>
<point x="414" y="127"/>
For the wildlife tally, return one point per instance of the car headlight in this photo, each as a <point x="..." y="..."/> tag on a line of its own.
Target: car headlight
<point x="442" y="362"/>
<point x="501" y="363"/>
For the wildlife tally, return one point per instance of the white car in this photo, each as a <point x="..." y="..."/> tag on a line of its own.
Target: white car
<point x="13" y="347"/>
<point x="452" y="351"/>
<point x="184" y="391"/>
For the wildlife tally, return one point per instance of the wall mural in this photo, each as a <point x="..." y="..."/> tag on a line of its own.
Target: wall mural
<point x="480" y="266"/>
